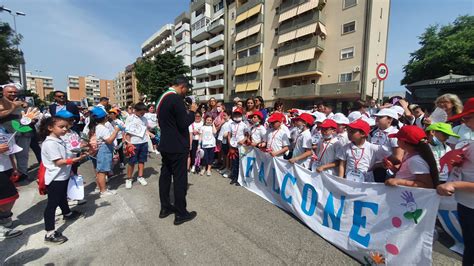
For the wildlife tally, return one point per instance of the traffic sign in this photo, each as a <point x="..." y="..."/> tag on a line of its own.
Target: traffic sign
<point x="382" y="71"/>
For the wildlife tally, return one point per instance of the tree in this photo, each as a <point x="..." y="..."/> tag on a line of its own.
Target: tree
<point x="445" y="48"/>
<point x="155" y="76"/>
<point x="9" y="55"/>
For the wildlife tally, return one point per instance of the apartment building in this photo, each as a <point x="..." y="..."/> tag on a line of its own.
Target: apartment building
<point x="208" y="41"/>
<point x="160" y="42"/>
<point x="107" y="89"/>
<point x="88" y="87"/>
<point x="131" y="87"/>
<point x="41" y="85"/>
<point x="303" y="51"/>
<point x="120" y="92"/>
<point x="182" y="35"/>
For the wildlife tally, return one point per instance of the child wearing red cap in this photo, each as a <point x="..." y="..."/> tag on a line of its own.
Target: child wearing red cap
<point x="358" y="156"/>
<point x="257" y="131"/>
<point x="303" y="145"/>
<point x="325" y="149"/>
<point x="277" y="141"/>
<point x="463" y="187"/>
<point x="236" y="137"/>
<point x="418" y="167"/>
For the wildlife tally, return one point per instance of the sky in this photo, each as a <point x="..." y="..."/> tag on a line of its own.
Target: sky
<point x="101" y="37"/>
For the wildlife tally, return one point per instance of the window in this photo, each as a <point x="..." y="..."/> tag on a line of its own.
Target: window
<point x="349" y="3"/>
<point x="345" y="77"/>
<point x="232" y="15"/>
<point x="347" y="53"/>
<point x="254" y="50"/>
<point x="276" y="32"/>
<point x="275" y="52"/>
<point x="242" y="54"/>
<point x="277" y="10"/>
<point x="348" y="27"/>
<point x="275" y="72"/>
<point x="219" y="6"/>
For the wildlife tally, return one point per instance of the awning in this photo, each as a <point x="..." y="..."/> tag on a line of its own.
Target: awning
<point x="241" y="17"/>
<point x="306" y="30"/>
<point x="253" y="30"/>
<point x="241" y="35"/>
<point x="254" y="10"/>
<point x="240" y="71"/>
<point x="241" y="87"/>
<point x="253" y="86"/>
<point x="253" y="67"/>
<point x="304" y="55"/>
<point x="286" y="37"/>
<point x="286" y="60"/>
<point x="287" y="15"/>
<point x="307" y="6"/>
<point x="322" y="28"/>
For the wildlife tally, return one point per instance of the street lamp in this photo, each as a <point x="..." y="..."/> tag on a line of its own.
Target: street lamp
<point x="374" y="80"/>
<point x="21" y="68"/>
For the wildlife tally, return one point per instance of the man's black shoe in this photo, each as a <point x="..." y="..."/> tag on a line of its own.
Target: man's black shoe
<point x="237" y="184"/>
<point x="56" y="239"/>
<point x="165" y="213"/>
<point x="185" y="218"/>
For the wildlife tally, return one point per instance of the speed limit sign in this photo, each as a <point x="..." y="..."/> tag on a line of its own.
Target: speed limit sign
<point x="382" y="71"/>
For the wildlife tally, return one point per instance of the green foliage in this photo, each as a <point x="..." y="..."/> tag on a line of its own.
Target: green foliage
<point x="9" y="55"/>
<point x="445" y="48"/>
<point x="155" y="76"/>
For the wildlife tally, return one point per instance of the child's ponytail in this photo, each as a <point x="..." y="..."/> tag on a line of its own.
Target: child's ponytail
<point x="426" y="154"/>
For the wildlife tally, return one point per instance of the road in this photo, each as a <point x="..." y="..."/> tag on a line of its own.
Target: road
<point x="233" y="226"/>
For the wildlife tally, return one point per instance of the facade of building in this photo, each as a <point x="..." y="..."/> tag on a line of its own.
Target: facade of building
<point x="132" y="95"/>
<point x="89" y="87"/>
<point x="182" y="35"/>
<point x="207" y="49"/>
<point x="41" y="85"/>
<point x="120" y="92"/>
<point x="160" y="42"/>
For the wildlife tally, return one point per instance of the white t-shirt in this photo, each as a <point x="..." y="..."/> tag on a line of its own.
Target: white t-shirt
<point x="102" y="132"/>
<point x="72" y="140"/>
<point x="380" y="137"/>
<point x="438" y="152"/>
<point x="277" y="139"/>
<point x="326" y="152"/>
<point x="152" y="120"/>
<point x="258" y="134"/>
<point x="119" y="123"/>
<point x="138" y="122"/>
<point x="466" y="198"/>
<point x="316" y="135"/>
<point x="208" y="139"/>
<point x="236" y="132"/>
<point x="360" y="159"/>
<point x="303" y="143"/>
<point x="466" y="136"/>
<point x="224" y="129"/>
<point x="54" y="149"/>
<point x="414" y="165"/>
<point x="194" y="129"/>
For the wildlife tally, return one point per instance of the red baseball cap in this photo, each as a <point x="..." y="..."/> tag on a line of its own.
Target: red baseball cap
<point x="468" y="109"/>
<point x="238" y="110"/>
<point x="276" y="117"/>
<point x="307" y="118"/>
<point x="328" y="123"/>
<point x="361" y="125"/>
<point x="258" y="113"/>
<point x="293" y="111"/>
<point x="410" y="134"/>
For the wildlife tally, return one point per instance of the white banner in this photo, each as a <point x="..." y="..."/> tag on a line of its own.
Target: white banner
<point x="372" y="222"/>
<point x="449" y="218"/>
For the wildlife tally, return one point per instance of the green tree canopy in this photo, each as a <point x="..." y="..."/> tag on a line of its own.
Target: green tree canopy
<point x="445" y="48"/>
<point x="155" y="76"/>
<point x="9" y="55"/>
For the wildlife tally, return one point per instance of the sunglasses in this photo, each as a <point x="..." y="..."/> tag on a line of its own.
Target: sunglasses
<point x="59" y="96"/>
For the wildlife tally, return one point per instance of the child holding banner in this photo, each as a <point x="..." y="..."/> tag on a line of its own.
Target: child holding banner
<point x="257" y="132"/>
<point x="418" y="167"/>
<point x="236" y="138"/>
<point x="277" y="141"/>
<point x="463" y="189"/>
<point x="325" y="150"/>
<point x="304" y="143"/>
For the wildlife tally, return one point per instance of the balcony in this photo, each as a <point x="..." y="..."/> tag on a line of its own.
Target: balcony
<point x="215" y="70"/>
<point x="216" y="26"/>
<point x="301" y="69"/>
<point x="302" y="44"/>
<point x="197" y="46"/>
<point x="217" y="55"/>
<point x="183" y="28"/>
<point x="216" y="41"/>
<point x="346" y="89"/>
<point x="199" y="73"/>
<point x="287" y="5"/>
<point x="301" y="21"/>
<point x="249" y="60"/>
<point x="200" y="34"/>
<point x="218" y="83"/>
<point x="249" y="41"/>
<point x="200" y="60"/>
<point x="245" y="7"/>
<point x="201" y="85"/>
<point x="298" y="91"/>
<point x="184" y="40"/>
<point x="195" y="4"/>
<point x="205" y="98"/>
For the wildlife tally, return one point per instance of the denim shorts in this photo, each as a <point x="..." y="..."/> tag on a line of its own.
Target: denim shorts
<point x="104" y="158"/>
<point x="141" y="154"/>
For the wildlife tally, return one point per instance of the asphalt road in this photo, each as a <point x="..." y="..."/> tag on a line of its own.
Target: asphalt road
<point x="233" y="226"/>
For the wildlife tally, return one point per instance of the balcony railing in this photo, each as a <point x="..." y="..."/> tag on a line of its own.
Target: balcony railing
<point x="287" y="5"/>
<point x="302" y="44"/>
<point x="342" y="88"/>
<point x="249" y="41"/>
<point x="200" y="60"/>
<point x="201" y="85"/>
<point x="249" y="60"/>
<point x="301" y="21"/>
<point x="245" y="7"/>
<point x="216" y="41"/>
<point x="216" y="26"/>
<point x="298" y="91"/>
<point x="218" y="83"/>
<point x="205" y="98"/>
<point x="301" y="68"/>
<point x="217" y="55"/>
<point x="197" y="73"/>
<point x="183" y="28"/>
<point x="197" y="46"/>
<point x="219" y="69"/>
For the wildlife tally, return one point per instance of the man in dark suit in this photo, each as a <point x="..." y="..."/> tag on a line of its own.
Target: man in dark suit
<point x="174" y="120"/>
<point x="60" y="103"/>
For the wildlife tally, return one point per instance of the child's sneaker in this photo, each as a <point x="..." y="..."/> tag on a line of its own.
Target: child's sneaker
<point x="128" y="183"/>
<point x="202" y="172"/>
<point x="209" y="173"/>
<point x="107" y="193"/>
<point x="56" y="238"/>
<point x="6" y="233"/>
<point x="142" y="181"/>
<point x="226" y="174"/>
<point x="193" y="169"/>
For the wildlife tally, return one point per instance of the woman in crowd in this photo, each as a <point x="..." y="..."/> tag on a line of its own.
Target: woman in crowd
<point x="249" y="107"/>
<point x="260" y="106"/>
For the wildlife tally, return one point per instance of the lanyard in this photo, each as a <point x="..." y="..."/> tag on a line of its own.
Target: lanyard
<point x="324" y="150"/>
<point x="356" y="161"/>
<point x="235" y="132"/>
<point x="273" y="137"/>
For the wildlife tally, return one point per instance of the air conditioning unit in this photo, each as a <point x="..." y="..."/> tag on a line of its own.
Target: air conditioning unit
<point x="356" y="69"/>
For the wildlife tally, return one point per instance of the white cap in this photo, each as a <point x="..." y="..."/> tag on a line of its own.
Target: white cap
<point x="398" y="109"/>
<point x="354" y="116"/>
<point x="340" y="118"/>
<point x="319" y="117"/>
<point x="388" y="112"/>
<point x="369" y="120"/>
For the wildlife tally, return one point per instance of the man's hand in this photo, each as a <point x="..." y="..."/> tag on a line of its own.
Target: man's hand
<point x="193" y="107"/>
<point x="4" y="147"/>
<point x="17" y="104"/>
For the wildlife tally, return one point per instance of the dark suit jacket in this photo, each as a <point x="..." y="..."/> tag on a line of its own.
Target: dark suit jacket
<point x="71" y="107"/>
<point x="174" y="121"/>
